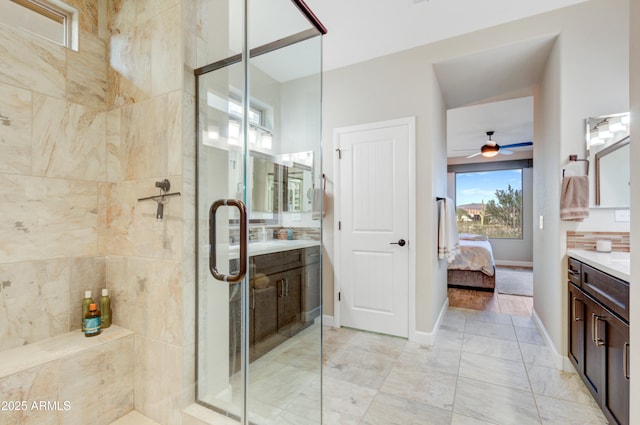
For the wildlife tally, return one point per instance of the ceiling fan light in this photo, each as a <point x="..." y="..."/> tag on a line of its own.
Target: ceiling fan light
<point x="489" y="151"/>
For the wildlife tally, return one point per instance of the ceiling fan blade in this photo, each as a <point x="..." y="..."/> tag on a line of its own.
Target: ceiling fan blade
<point x="517" y="145"/>
<point x="474" y="155"/>
<point x="505" y="152"/>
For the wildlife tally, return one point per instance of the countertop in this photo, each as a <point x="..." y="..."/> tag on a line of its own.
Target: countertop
<point x="271" y="246"/>
<point x="616" y="264"/>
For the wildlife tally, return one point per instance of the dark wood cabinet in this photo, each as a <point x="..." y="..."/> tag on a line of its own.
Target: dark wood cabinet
<point x="289" y="298"/>
<point x="283" y="286"/>
<point x="576" y="327"/>
<point x="599" y="338"/>
<point x="616" y="397"/>
<point x="594" y="353"/>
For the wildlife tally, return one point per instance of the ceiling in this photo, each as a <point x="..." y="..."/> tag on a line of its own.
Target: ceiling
<point x="499" y="90"/>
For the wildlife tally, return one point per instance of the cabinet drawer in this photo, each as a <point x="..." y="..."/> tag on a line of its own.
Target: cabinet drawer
<point x="574" y="272"/>
<point x="312" y="255"/>
<point x="612" y="292"/>
<point x="278" y="261"/>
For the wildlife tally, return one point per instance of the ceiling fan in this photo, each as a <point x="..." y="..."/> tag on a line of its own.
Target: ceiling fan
<point x="491" y="148"/>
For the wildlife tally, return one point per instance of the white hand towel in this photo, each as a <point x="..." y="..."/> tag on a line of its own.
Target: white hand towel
<point x="448" y="242"/>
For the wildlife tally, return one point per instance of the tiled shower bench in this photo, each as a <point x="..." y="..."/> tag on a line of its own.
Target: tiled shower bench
<point x="69" y="379"/>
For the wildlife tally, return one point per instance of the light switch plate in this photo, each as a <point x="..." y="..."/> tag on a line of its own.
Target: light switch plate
<point x="622" y="215"/>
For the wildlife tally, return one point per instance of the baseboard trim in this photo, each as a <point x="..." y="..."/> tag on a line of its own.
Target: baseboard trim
<point x="508" y="263"/>
<point x="429" y="338"/>
<point x="327" y="320"/>
<point x="561" y="362"/>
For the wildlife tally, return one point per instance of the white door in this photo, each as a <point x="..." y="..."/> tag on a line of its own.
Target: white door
<point x="374" y="227"/>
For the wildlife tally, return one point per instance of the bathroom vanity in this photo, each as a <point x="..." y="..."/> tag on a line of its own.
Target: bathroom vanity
<point x="599" y="327"/>
<point x="284" y="293"/>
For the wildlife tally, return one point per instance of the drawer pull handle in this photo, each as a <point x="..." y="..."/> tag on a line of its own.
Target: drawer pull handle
<point x="625" y="360"/>
<point x="575" y="318"/>
<point x="574" y="273"/>
<point x="594" y="331"/>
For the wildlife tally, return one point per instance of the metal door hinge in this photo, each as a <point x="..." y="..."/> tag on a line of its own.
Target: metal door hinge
<point x="339" y="225"/>
<point x="339" y="153"/>
<point x="339" y="294"/>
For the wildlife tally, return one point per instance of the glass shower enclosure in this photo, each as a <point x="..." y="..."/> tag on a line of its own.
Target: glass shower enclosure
<point x="259" y="206"/>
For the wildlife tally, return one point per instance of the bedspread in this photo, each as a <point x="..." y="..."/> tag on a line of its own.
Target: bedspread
<point x="474" y="255"/>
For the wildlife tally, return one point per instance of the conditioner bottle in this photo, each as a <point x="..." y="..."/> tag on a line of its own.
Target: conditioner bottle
<point x="105" y="309"/>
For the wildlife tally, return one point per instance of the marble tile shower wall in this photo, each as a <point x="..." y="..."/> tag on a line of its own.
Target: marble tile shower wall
<point x="52" y="169"/>
<point x="83" y="135"/>
<point x="144" y="127"/>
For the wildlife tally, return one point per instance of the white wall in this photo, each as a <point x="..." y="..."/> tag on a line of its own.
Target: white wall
<point x="387" y="88"/>
<point x="574" y="87"/>
<point x="635" y="207"/>
<point x="564" y="103"/>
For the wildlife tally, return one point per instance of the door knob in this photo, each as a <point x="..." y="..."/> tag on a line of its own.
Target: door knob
<point x="401" y="242"/>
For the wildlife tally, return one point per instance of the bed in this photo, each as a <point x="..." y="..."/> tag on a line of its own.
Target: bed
<point x="473" y="266"/>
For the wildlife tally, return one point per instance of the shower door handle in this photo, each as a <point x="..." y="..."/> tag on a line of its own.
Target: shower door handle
<point x="213" y="267"/>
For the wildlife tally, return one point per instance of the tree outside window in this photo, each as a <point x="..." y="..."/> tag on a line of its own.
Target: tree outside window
<point x="490" y="203"/>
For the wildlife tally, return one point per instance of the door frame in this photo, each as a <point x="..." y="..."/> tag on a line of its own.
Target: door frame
<point x="410" y="123"/>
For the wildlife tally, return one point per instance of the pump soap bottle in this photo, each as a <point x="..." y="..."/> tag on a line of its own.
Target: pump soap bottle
<point x="105" y="309"/>
<point x="86" y="302"/>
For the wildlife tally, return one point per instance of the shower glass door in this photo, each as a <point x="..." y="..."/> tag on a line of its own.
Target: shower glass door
<point x="259" y="204"/>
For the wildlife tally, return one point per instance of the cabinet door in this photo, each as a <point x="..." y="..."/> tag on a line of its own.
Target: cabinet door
<point x="290" y="297"/>
<point x="576" y="328"/>
<point x="616" y="397"/>
<point x="265" y="312"/>
<point x="594" y="353"/>
<point x="311" y="292"/>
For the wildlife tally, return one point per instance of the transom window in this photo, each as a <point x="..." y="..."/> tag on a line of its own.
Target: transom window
<point x="51" y="19"/>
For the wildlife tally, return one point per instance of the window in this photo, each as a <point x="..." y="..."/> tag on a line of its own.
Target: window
<point x="50" y="19"/>
<point x="490" y="203"/>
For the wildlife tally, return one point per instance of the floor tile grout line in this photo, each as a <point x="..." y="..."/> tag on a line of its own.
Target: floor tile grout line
<point x="455" y="390"/>
<point x="526" y="371"/>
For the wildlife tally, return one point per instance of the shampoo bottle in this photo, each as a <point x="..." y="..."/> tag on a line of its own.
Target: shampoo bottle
<point x="105" y="309"/>
<point x="92" y="321"/>
<point x="86" y="302"/>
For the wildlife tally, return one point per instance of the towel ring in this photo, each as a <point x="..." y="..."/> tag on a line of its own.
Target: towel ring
<point x="574" y="158"/>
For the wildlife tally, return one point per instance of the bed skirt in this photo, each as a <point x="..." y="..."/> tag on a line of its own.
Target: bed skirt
<point x="469" y="279"/>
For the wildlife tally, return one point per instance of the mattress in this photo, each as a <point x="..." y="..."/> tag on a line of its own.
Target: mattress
<point x="474" y="255"/>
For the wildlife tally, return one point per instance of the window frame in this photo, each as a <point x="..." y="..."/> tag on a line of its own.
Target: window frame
<point x="508" y="166"/>
<point x="58" y="12"/>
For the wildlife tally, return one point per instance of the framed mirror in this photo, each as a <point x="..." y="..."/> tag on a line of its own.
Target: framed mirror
<point x="612" y="175"/>
<point x="607" y="140"/>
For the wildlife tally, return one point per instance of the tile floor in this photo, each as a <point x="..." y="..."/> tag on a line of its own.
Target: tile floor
<point x="486" y="367"/>
<point x="489" y="365"/>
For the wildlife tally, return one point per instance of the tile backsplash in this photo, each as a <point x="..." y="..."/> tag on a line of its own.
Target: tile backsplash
<point x="587" y="240"/>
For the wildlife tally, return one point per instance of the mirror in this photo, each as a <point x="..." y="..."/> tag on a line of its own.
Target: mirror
<point x="280" y="183"/>
<point x="612" y="175"/>
<point x="297" y="188"/>
<point x="607" y="140"/>
<point x="265" y="182"/>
